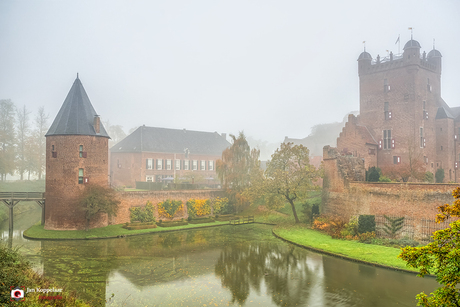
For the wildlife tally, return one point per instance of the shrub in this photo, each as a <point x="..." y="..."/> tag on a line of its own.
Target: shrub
<point x="172" y="224"/>
<point x="332" y="225"/>
<point x="142" y="214"/>
<point x="429" y="177"/>
<point x="169" y="208"/>
<point x="198" y="207"/>
<point x="221" y="206"/>
<point x="373" y="174"/>
<point x="439" y="175"/>
<point x="366" y="223"/>
<point x="350" y="229"/>
<point x="384" y="179"/>
<point x="366" y="237"/>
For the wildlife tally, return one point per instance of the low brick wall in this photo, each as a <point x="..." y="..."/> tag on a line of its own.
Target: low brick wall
<point x="140" y="199"/>
<point x="416" y="201"/>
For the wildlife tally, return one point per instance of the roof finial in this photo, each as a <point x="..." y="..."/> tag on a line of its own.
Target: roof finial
<point x="410" y="28"/>
<point x="364" y="43"/>
<point x="433" y="44"/>
<point x="77" y="75"/>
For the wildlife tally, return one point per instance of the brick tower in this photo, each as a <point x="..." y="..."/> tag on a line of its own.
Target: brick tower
<point x="403" y="117"/>
<point x="76" y="155"/>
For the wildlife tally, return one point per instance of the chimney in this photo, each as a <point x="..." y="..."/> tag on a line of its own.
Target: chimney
<point x="97" y="124"/>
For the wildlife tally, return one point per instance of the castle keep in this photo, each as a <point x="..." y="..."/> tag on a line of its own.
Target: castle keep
<point x="402" y="116"/>
<point x="76" y="155"/>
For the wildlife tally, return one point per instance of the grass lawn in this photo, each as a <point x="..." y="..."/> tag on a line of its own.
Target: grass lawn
<point x="38" y="232"/>
<point x="387" y="256"/>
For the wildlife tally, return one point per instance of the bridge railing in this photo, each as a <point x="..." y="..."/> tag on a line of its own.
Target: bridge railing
<point x="22" y="195"/>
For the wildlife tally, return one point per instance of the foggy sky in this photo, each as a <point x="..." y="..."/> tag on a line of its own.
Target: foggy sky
<point x="270" y="68"/>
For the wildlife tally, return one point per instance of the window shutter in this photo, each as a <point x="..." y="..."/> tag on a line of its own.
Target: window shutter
<point x="84" y="154"/>
<point x="389" y="114"/>
<point x="54" y="154"/>
<point x="85" y="180"/>
<point x="424" y="143"/>
<point x="399" y="160"/>
<point x="392" y="143"/>
<point x="380" y="144"/>
<point x="456" y="165"/>
<point x="455" y="137"/>
<point x="146" y="163"/>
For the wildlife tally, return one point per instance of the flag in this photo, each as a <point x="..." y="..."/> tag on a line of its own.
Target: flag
<point x="397" y="41"/>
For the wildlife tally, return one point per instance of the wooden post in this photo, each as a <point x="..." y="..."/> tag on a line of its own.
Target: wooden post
<point x="43" y="213"/>
<point x="10" y="206"/>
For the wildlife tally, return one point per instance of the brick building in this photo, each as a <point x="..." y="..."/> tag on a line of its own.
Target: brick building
<point x="402" y="115"/>
<point x="162" y="155"/>
<point x="76" y="154"/>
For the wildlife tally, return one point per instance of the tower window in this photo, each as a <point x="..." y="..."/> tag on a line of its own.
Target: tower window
<point x="387" y="139"/>
<point x="422" y="139"/>
<point x="396" y="159"/>
<point x="82" y="153"/>
<point x="386" y="87"/>
<point x="80" y="176"/>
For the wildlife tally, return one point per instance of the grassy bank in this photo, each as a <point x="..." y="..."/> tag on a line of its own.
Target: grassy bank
<point x="16" y="271"/>
<point x="38" y="232"/>
<point x="376" y="254"/>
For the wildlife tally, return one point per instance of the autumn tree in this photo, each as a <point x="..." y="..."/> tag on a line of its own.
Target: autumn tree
<point x="412" y="168"/>
<point x="7" y="138"/>
<point x="115" y="132"/>
<point x="96" y="199"/>
<point x="234" y="169"/>
<point x="289" y="176"/>
<point x="440" y="257"/>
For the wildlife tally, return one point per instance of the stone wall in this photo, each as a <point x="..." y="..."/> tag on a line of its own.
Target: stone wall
<point x="140" y="199"/>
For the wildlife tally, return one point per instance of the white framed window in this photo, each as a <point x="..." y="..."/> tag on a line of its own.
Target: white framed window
<point x="168" y="164"/>
<point x="149" y="178"/>
<point x="195" y="165"/>
<point x="149" y="164"/>
<point x="159" y="164"/>
<point x="203" y="165"/>
<point x="186" y="165"/>
<point x="211" y="165"/>
<point x="80" y="175"/>
<point x="177" y="165"/>
<point x="422" y="139"/>
<point x="386" y="139"/>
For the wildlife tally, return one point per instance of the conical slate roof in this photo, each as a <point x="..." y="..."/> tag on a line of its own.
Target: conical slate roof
<point x="76" y="116"/>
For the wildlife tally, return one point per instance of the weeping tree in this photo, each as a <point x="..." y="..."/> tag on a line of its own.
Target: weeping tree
<point x="235" y="167"/>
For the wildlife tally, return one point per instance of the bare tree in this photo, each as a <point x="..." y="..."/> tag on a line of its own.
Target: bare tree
<point x="7" y="135"/>
<point x="41" y="126"/>
<point x="23" y="128"/>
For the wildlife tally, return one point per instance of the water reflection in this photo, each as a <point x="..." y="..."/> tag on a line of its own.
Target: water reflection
<point x="239" y="265"/>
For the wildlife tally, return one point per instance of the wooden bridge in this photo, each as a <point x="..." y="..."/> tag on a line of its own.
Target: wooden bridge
<point x="243" y="220"/>
<point x="11" y="199"/>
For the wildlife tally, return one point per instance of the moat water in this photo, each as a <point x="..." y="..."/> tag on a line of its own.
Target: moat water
<point x="221" y="266"/>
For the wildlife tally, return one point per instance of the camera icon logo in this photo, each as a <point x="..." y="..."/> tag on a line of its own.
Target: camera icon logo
<point x="17" y="294"/>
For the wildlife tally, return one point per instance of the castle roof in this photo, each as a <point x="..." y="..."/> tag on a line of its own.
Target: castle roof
<point x="412" y="44"/>
<point x="153" y="139"/>
<point x="434" y="53"/>
<point x="443" y="113"/>
<point x="76" y="116"/>
<point x="365" y="56"/>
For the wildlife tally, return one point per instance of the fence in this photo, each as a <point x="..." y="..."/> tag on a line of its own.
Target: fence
<point x="414" y="229"/>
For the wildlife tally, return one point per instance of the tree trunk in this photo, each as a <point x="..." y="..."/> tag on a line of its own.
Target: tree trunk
<point x="293" y="211"/>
